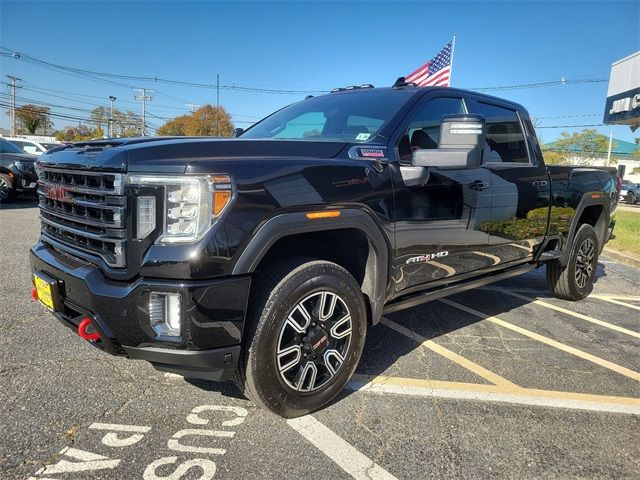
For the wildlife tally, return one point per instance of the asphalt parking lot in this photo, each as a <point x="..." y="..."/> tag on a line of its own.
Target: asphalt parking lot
<point x="501" y="382"/>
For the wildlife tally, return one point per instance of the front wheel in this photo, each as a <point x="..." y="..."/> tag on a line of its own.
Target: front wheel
<point x="574" y="281"/>
<point x="631" y="198"/>
<point x="7" y="193"/>
<point x="304" y="337"/>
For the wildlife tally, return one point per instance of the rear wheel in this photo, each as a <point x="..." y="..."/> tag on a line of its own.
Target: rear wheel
<point x="7" y="193"/>
<point x="574" y="281"/>
<point x="304" y="338"/>
<point x="631" y="198"/>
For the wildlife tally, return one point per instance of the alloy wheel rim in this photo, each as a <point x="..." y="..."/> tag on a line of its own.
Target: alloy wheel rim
<point x="314" y="341"/>
<point x="585" y="263"/>
<point x="4" y="189"/>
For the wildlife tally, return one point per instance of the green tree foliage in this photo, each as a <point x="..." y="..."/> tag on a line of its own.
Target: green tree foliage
<point x="125" y="124"/>
<point x="583" y="147"/>
<point x="206" y="121"/>
<point x="100" y="117"/>
<point x="79" y="133"/>
<point x="31" y="117"/>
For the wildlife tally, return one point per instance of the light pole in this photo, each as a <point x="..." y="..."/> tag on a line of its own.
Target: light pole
<point x="111" y="100"/>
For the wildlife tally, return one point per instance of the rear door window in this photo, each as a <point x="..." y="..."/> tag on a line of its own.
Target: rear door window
<point x="505" y="141"/>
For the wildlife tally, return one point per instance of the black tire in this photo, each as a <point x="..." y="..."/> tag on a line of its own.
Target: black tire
<point x="574" y="281"/>
<point x="7" y="192"/>
<point x="280" y="292"/>
<point x="631" y="198"/>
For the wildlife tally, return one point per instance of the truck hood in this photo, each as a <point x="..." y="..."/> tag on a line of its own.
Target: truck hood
<point x="173" y="155"/>
<point x="21" y="157"/>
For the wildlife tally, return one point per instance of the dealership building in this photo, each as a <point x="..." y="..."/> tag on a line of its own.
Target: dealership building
<point x="623" y="103"/>
<point x="623" y="96"/>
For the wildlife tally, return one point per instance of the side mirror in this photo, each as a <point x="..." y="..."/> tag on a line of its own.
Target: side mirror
<point x="461" y="143"/>
<point x="238" y="131"/>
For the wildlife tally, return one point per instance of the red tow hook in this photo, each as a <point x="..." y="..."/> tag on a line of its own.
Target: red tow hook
<point x="34" y="294"/>
<point x="82" y="331"/>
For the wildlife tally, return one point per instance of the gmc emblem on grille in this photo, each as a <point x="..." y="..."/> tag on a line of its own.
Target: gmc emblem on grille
<point x="57" y="192"/>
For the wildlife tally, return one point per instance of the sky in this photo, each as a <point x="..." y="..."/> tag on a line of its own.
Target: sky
<point x="311" y="47"/>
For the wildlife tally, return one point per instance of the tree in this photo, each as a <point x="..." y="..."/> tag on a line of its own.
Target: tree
<point x="206" y="121"/>
<point x="126" y="124"/>
<point x="99" y="117"/>
<point x="551" y="157"/>
<point x="583" y="147"/>
<point x="31" y="117"/>
<point x="175" y="127"/>
<point x="78" y="133"/>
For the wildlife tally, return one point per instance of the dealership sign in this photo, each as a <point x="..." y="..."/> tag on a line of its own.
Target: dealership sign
<point x="623" y="96"/>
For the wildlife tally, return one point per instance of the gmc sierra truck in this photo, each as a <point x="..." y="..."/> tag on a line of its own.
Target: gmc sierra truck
<point x="265" y="258"/>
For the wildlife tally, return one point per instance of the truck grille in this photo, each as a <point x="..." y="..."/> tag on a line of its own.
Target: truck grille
<point x="85" y="213"/>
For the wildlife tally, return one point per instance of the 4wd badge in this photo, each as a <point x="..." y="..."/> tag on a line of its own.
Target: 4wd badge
<point x="426" y="258"/>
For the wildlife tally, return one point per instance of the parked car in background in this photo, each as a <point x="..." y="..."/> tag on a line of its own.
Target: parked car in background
<point x="630" y="192"/>
<point x="33" y="147"/>
<point x="17" y="171"/>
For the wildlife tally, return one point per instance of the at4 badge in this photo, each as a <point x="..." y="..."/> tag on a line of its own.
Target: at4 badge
<point x="426" y="258"/>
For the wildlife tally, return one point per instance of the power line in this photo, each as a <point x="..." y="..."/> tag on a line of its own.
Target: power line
<point x="94" y="75"/>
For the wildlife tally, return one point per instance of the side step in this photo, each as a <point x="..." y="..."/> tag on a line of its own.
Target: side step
<point x="424" y="297"/>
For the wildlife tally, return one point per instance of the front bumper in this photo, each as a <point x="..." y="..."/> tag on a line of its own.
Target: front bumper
<point x="212" y="312"/>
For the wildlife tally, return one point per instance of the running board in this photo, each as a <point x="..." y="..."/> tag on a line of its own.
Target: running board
<point x="424" y="297"/>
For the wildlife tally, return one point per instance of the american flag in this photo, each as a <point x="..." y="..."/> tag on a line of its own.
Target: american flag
<point x="436" y="72"/>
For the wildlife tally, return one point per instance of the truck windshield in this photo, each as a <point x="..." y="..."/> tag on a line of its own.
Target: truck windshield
<point x="8" y="147"/>
<point x="355" y="116"/>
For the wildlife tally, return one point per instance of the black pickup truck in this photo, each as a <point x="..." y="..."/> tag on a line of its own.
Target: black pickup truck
<point x="265" y="258"/>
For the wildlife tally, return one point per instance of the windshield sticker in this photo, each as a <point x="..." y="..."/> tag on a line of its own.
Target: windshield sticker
<point x="363" y="136"/>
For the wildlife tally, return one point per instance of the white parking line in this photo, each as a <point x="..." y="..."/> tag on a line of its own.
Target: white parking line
<point x="547" y="341"/>
<point x="448" y="354"/>
<point x="345" y="455"/>
<point x="581" y="316"/>
<point x="616" y="301"/>
<point x="493" y="393"/>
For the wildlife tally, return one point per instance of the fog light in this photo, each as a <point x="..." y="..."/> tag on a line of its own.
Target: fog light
<point x="164" y="313"/>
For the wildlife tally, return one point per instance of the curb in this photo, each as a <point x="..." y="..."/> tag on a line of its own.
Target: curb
<point x="622" y="257"/>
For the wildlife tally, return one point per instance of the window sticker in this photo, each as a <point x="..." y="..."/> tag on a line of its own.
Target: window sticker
<point x="363" y="136"/>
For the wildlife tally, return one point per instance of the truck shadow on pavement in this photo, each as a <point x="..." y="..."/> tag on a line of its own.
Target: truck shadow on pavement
<point x="22" y="201"/>
<point x="385" y="348"/>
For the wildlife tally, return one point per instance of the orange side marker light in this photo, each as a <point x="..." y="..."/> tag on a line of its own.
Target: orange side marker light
<point x="323" y="214"/>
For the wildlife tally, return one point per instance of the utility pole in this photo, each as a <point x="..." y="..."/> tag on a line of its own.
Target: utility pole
<point x="111" y="100"/>
<point x="192" y="106"/>
<point x="217" y="104"/>
<point x="144" y="98"/>
<point x="609" y="149"/>
<point x="13" y="87"/>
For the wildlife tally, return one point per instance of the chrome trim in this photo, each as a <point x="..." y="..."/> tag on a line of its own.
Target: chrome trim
<point x="118" y="243"/>
<point x="87" y="220"/>
<point x="119" y="179"/>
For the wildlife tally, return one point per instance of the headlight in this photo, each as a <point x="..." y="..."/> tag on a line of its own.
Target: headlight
<point x="22" y="166"/>
<point x="191" y="204"/>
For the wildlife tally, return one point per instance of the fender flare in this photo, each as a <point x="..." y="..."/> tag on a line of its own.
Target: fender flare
<point x="586" y="201"/>
<point x="294" y="223"/>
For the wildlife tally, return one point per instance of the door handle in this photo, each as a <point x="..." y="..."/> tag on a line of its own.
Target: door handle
<point x="478" y="185"/>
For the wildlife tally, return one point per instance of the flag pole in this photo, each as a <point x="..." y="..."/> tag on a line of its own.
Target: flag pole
<point x="453" y="48"/>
